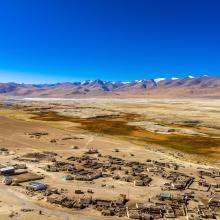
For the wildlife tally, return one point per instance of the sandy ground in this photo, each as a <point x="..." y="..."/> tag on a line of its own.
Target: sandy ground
<point x="16" y="125"/>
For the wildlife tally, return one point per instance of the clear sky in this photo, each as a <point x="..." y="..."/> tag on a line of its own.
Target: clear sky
<point x="70" y="40"/>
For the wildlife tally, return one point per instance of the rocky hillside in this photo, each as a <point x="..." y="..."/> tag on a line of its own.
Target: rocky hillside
<point x="205" y="86"/>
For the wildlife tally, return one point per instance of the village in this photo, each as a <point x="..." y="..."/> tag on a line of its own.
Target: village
<point x="62" y="160"/>
<point x="109" y="110"/>
<point x="176" y="192"/>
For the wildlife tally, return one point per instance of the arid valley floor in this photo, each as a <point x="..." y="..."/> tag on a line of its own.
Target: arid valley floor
<point x="110" y="159"/>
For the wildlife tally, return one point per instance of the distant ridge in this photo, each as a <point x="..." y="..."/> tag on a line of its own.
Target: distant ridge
<point x="204" y="86"/>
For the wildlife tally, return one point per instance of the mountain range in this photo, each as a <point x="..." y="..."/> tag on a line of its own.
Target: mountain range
<point x="204" y="86"/>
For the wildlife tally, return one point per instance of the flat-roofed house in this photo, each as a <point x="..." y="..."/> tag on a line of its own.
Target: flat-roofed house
<point x="7" y="170"/>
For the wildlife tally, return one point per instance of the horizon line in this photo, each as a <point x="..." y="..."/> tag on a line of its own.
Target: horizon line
<point x="92" y="80"/>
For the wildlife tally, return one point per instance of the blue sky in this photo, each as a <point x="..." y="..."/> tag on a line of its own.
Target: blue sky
<point x="70" y="40"/>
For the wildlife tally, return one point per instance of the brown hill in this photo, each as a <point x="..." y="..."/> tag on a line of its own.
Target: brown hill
<point x="204" y="86"/>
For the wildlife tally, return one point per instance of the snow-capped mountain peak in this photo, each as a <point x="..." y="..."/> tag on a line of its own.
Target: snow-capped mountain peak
<point x="138" y="81"/>
<point x="159" y="79"/>
<point x="184" y="87"/>
<point x="191" y="77"/>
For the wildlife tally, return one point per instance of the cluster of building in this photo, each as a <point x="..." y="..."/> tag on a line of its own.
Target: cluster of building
<point x="106" y="207"/>
<point x="181" y="194"/>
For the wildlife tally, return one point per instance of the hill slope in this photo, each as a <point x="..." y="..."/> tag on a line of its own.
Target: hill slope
<point x="204" y="86"/>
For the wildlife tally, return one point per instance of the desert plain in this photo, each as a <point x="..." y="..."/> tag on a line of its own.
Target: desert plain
<point x="140" y="148"/>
